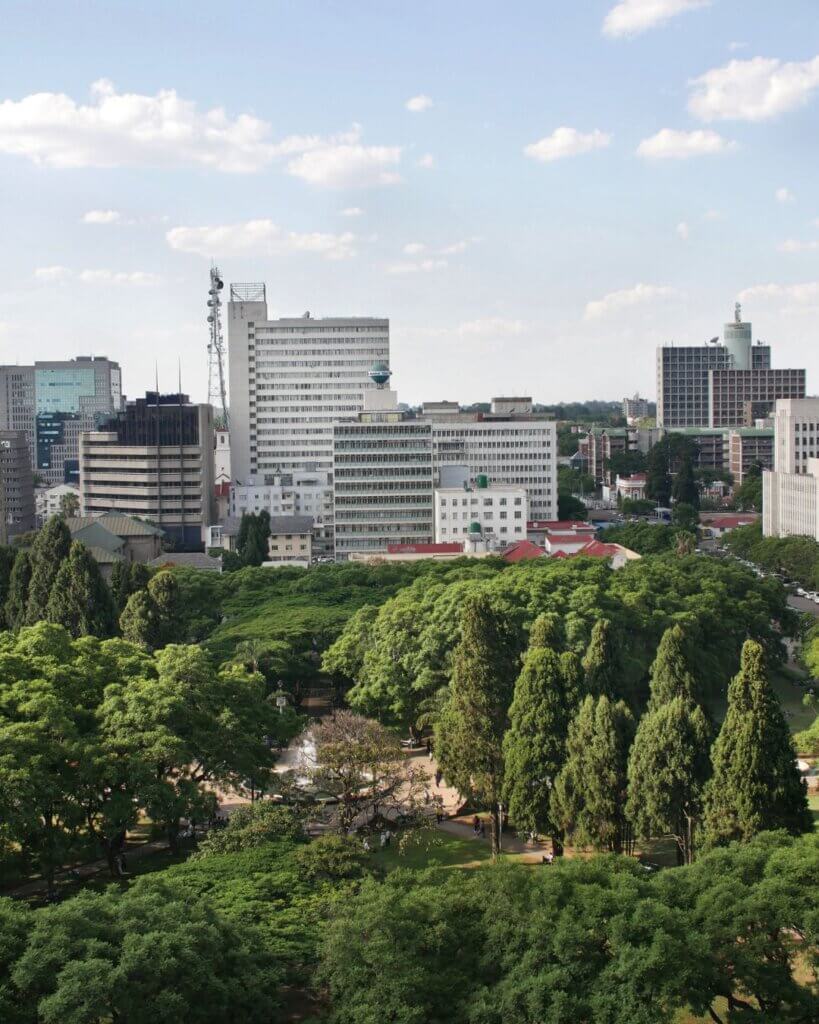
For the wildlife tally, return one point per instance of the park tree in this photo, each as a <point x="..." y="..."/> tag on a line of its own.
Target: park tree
<point x="70" y="504"/>
<point x="601" y="661"/>
<point x="748" y="496"/>
<point x="535" y="742"/>
<point x="569" y="507"/>
<point x="684" y="490"/>
<point x="671" y="672"/>
<point x="150" y="954"/>
<point x="361" y="763"/>
<point x="6" y="569"/>
<point x="658" y="478"/>
<point x="49" y="550"/>
<point x="80" y="599"/>
<point x="668" y="767"/>
<point x="252" y="540"/>
<point x="139" y="621"/>
<point x="16" y="922"/>
<point x="469" y="734"/>
<point x="755" y="784"/>
<point x="196" y="727"/>
<point x="589" y="794"/>
<point x="685" y="517"/>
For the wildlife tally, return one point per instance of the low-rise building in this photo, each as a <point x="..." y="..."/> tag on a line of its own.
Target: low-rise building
<point x="300" y="493"/>
<point x="717" y="524"/>
<point x="628" y="488"/>
<point x="747" y="447"/>
<point x="290" y="541"/>
<point x="500" y="510"/>
<point x="134" y="540"/>
<point x="537" y="530"/>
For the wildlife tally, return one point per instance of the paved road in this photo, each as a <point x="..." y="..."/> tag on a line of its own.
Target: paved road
<point x="801" y="604"/>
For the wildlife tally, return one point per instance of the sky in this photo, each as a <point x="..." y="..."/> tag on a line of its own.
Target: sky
<point x="536" y="193"/>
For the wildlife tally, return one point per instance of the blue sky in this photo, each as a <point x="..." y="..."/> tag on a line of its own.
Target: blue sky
<point x="536" y="194"/>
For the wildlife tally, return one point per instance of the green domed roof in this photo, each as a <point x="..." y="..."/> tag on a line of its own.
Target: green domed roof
<point x="475" y="527"/>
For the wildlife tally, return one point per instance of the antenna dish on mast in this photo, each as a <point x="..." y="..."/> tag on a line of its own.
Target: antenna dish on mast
<point x="217" y="391"/>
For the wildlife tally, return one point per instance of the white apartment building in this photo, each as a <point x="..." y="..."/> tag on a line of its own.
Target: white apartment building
<point x="500" y="510"/>
<point x="790" y="493"/>
<point x="291" y="380"/>
<point x="510" y="444"/>
<point x="48" y="501"/>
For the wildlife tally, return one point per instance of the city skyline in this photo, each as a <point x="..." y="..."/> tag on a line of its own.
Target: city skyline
<point x="543" y="198"/>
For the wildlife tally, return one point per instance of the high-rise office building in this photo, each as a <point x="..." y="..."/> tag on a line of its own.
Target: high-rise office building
<point x="291" y="380"/>
<point x="790" y="492"/>
<point x="153" y="460"/>
<point x="51" y="402"/>
<point x="728" y="384"/>
<point x="16" y="486"/>
<point x="383" y="479"/>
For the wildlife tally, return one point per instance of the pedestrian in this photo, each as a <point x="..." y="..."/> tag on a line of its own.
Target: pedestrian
<point x="429" y="749"/>
<point x="438" y="776"/>
<point x="483" y="829"/>
<point x="366" y="844"/>
<point x="476" y="826"/>
<point x="383" y="840"/>
<point x="388" y="836"/>
<point x="439" y="814"/>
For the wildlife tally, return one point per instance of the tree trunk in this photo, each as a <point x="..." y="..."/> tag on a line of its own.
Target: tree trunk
<point x="495" y="815"/>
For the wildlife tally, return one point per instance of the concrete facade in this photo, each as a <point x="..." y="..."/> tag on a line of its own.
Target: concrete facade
<point x="790" y="493"/>
<point x="16" y="486"/>
<point x="500" y="510"/>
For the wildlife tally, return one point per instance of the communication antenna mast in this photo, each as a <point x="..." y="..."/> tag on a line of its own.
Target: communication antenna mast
<point x="216" y="348"/>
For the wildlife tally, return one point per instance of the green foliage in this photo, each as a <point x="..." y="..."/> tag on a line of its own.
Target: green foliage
<point x="626" y="463"/>
<point x="601" y="661"/>
<point x="251" y="544"/>
<point x="149" y="956"/>
<point x="16" y="921"/>
<point x="80" y="599"/>
<point x="685" y="517"/>
<point x="69" y="504"/>
<point x="569" y="507"/>
<point x="333" y="858"/>
<point x="668" y="768"/>
<point x="17" y="600"/>
<point x="534" y="744"/>
<point x="798" y="557"/>
<point x="755" y="785"/>
<point x="588" y="799"/>
<point x="584" y="940"/>
<point x="748" y="496"/>
<point x="48" y="552"/>
<point x="637" y="506"/>
<point x="672" y="672"/>
<point x="252" y="825"/>
<point x="571" y="481"/>
<point x="152" y="617"/>
<point x="684" y="490"/>
<point x="469" y="735"/>
<point x="658" y="478"/>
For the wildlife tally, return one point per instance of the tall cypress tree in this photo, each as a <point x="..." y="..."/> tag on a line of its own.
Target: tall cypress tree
<point x="685" y="490"/>
<point x="17" y="599"/>
<point x="589" y="794"/>
<point x="139" y="621"/>
<point x="755" y="785"/>
<point x="600" y="662"/>
<point x="671" y="674"/>
<point x="658" y="479"/>
<point x="48" y="552"/>
<point x="6" y="567"/>
<point x="80" y="599"/>
<point x="469" y="733"/>
<point x="534" y="745"/>
<point x="164" y="592"/>
<point x="668" y="767"/>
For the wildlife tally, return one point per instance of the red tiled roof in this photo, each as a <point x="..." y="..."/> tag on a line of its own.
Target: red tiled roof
<point x="523" y="550"/>
<point x="558" y="524"/>
<point x="424" y="549"/>
<point x="728" y="522"/>
<point x="597" y="549"/>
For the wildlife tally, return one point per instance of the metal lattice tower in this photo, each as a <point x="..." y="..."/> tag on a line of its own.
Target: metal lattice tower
<point x="217" y="394"/>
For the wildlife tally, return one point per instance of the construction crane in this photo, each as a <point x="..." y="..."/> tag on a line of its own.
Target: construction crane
<point x="217" y="393"/>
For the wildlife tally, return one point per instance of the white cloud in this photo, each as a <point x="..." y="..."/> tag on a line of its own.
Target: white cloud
<point x="418" y="104"/>
<point x="753" y="90"/>
<point x="491" y="326"/>
<point x="413" y="248"/>
<point x="341" y="161"/>
<point x="784" y="195"/>
<point x="613" y="302"/>
<point x="630" y="17"/>
<point x="102" y="217"/>
<point x="417" y="266"/>
<point x="683" y="231"/>
<point x="565" y="142"/>
<point x="670" y="144"/>
<point x="796" y="245"/>
<point x="427" y="161"/>
<point x="458" y="247"/>
<point x="807" y="291"/>
<point x="52" y="274"/>
<point x="737" y="45"/>
<point x="351" y="211"/>
<point x="258" y="236"/>
<point x="136" y="277"/>
<point x="116" y="129"/>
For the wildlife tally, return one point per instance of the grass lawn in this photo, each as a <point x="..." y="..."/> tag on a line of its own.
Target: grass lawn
<point x="813" y="803"/>
<point x="434" y="848"/>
